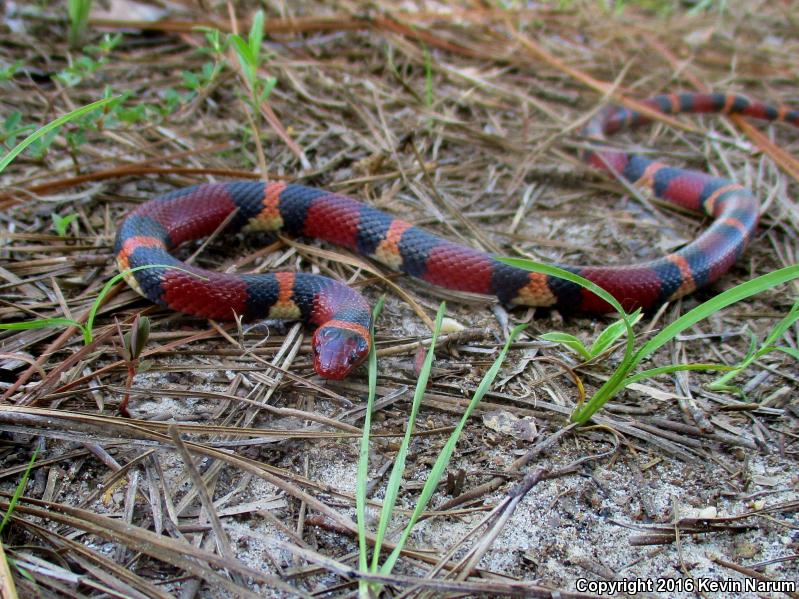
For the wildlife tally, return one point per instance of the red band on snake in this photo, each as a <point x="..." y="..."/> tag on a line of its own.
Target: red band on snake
<point x="343" y="316"/>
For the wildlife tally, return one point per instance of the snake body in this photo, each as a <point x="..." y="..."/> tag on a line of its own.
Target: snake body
<point x="342" y="316"/>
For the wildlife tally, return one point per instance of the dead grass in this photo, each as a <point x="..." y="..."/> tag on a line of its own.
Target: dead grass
<point x="235" y="476"/>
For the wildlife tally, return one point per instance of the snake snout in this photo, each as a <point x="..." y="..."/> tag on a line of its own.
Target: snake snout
<point x="338" y="350"/>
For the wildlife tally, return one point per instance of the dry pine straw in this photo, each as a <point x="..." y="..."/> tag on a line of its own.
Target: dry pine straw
<point x="482" y="150"/>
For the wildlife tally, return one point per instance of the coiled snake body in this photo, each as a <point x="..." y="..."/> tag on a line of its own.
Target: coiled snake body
<point x="342" y="315"/>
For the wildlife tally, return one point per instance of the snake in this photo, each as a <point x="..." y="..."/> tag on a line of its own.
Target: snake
<point x="342" y="316"/>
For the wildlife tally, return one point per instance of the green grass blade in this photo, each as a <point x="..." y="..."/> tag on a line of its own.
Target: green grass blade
<point x="609" y="336"/>
<point x="721" y="383"/>
<point x="569" y="341"/>
<point x="648" y="374"/>
<point x="722" y="300"/>
<point x="794" y="353"/>
<point x="446" y="453"/>
<point x="243" y="51"/>
<point x="561" y="273"/>
<point x="363" y="454"/>
<point x="628" y="362"/>
<point x="247" y="60"/>
<point x="783" y="325"/>
<point x="428" y="77"/>
<point x="616" y="383"/>
<point x="87" y="330"/>
<point x="256" y="35"/>
<point x="78" y="11"/>
<point x="394" y="481"/>
<point x="19" y="490"/>
<point x="42" y="323"/>
<point x="22" y="571"/>
<point x="42" y="131"/>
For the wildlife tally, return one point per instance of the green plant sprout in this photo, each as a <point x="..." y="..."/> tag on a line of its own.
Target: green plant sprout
<point x="86" y="65"/>
<point x="12" y="128"/>
<point x="133" y="114"/>
<point x="437" y="471"/>
<point x="75" y="136"/>
<point x="133" y="344"/>
<point x="78" y="12"/>
<point x="754" y="353"/>
<point x="60" y="223"/>
<point x="8" y="71"/>
<point x="215" y="45"/>
<point x="197" y="81"/>
<point x="605" y="339"/>
<point x="251" y="55"/>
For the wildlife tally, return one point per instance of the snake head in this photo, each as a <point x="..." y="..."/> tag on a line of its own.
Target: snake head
<point x="338" y="348"/>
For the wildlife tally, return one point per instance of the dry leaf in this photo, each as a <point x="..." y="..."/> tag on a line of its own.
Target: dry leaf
<point x="509" y="424"/>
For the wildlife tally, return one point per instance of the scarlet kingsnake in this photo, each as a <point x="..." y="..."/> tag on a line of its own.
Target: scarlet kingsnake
<point x="342" y="315"/>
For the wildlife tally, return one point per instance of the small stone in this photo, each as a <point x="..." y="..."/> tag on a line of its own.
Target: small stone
<point x="707" y="513"/>
<point x="450" y="325"/>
